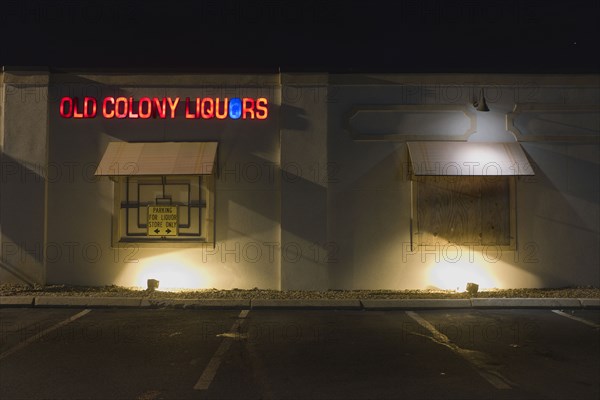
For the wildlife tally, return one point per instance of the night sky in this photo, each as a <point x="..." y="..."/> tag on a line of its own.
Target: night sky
<point x="350" y="36"/>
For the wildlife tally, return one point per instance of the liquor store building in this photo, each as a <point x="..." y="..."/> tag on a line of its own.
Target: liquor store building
<point x="299" y="181"/>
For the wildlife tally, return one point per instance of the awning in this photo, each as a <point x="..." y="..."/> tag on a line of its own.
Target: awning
<point x="170" y="158"/>
<point x="468" y="158"/>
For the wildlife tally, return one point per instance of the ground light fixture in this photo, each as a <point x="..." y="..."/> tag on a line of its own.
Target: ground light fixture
<point x="480" y="104"/>
<point x="152" y="284"/>
<point x="472" y="288"/>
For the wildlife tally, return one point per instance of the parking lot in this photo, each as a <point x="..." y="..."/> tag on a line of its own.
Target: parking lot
<point x="67" y="353"/>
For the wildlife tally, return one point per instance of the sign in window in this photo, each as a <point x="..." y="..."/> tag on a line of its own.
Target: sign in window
<point x="162" y="221"/>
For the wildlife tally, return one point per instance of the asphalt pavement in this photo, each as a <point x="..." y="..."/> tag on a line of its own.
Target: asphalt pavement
<point x="166" y="353"/>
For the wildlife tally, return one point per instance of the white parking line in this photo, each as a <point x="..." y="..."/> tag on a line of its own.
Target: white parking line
<point x="478" y="359"/>
<point x="46" y="331"/>
<point x="213" y="365"/>
<point x="583" y="321"/>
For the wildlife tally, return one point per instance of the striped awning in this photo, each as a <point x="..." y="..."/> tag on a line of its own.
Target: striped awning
<point x="168" y="158"/>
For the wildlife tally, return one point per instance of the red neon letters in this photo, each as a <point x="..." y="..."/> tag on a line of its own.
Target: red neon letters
<point x="70" y="108"/>
<point x="165" y="108"/>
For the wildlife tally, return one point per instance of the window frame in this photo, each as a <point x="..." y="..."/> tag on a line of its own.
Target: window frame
<point x="207" y="225"/>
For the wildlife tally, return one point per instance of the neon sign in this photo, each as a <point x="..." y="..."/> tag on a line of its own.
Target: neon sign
<point x="165" y="108"/>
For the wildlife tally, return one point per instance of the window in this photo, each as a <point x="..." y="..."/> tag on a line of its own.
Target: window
<point x="164" y="191"/>
<point x="464" y="210"/>
<point x="192" y="197"/>
<point x="464" y="192"/>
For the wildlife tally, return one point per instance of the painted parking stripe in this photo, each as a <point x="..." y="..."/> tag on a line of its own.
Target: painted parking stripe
<point x="583" y="321"/>
<point x="213" y="365"/>
<point x="43" y="333"/>
<point x="474" y="357"/>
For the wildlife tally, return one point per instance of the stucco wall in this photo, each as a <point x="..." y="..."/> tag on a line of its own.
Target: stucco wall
<point x="247" y="251"/>
<point x="23" y="183"/>
<point x="318" y="196"/>
<point x="304" y="186"/>
<point x="557" y="210"/>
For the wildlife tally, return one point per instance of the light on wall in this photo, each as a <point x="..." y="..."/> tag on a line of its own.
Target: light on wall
<point x="480" y="104"/>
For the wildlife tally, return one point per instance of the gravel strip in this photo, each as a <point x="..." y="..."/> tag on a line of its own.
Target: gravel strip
<point x="117" y="291"/>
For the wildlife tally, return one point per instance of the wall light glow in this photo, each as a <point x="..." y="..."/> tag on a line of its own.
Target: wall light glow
<point x="454" y="275"/>
<point x="176" y="271"/>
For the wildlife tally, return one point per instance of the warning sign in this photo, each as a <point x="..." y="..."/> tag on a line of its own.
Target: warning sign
<point x="162" y="220"/>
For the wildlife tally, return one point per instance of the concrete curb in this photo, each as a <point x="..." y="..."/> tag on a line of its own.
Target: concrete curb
<point x="299" y="304"/>
<point x="590" y="303"/>
<point x="331" y="304"/>
<point x="526" y="303"/>
<point x="16" y="301"/>
<point x="409" y="304"/>
<point x="65" y="301"/>
<point x="196" y="303"/>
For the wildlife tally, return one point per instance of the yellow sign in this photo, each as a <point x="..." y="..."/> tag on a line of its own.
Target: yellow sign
<point x="162" y="221"/>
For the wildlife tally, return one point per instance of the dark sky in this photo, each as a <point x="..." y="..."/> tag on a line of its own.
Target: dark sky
<point x="220" y="35"/>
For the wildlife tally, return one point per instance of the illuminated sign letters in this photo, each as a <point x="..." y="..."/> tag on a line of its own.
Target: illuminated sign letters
<point x="165" y="108"/>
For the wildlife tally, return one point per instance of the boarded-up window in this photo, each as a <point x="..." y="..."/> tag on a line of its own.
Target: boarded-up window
<point x="466" y="210"/>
